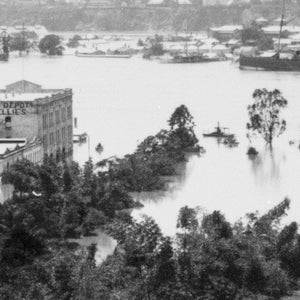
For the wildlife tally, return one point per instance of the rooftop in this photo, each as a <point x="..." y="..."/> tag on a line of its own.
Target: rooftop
<point x="24" y="90"/>
<point x="227" y="28"/>
<point x="275" y="29"/>
<point x="23" y="96"/>
<point x="8" y="145"/>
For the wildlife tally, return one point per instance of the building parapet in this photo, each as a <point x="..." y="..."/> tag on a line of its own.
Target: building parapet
<point x="18" y="149"/>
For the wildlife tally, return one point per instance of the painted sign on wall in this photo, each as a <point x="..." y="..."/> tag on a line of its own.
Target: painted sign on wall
<point x="9" y="108"/>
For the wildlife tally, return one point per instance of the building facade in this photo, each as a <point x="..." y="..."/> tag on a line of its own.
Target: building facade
<point x="31" y="112"/>
<point x="13" y="150"/>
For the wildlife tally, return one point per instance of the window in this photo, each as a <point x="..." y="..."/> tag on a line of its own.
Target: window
<point x="63" y="134"/>
<point x="57" y="137"/>
<point x="45" y="123"/>
<point x="7" y="122"/>
<point x="52" y="138"/>
<point x="63" y="114"/>
<point x="69" y="112"/>
<point x="51" y="119"/>
<point x="70" y="134"/>
<point x="57" y="118"/>
<point x="45" y="141"/>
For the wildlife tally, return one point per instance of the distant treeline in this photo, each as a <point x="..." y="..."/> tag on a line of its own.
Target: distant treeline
<point x="192" y="18"/>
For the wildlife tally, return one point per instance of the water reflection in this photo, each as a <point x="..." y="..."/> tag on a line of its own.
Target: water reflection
<point x="105" y="244"/>
<point x="266" y="166"/>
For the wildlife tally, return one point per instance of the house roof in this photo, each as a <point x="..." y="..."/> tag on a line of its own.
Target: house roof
<point x="275" y="29"/>
<point x="184" y="2"/>
<point x="226" y="28"/>
<point x="22" y="82"/>
<point x="155" y="2"/>
<point x="261" y="19"/>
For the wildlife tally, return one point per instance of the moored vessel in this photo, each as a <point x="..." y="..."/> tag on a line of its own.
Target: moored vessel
<point x="277" y="62"/>
<point x="219" y="133"/>
<point x="274" y="63"/>
<point x="101" y="54"/>
<point x="184" y="59"/>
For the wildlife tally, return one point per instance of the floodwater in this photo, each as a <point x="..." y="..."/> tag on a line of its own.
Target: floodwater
<point x="119" y="102"/>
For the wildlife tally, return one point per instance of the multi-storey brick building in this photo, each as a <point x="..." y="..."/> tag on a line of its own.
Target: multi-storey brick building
<point x="31" y="112"/>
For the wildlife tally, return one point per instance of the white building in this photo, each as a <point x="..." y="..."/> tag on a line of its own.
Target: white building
<point x="39" y="30"/>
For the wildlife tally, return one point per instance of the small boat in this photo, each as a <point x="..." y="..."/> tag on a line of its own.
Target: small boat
<point x="218" y="133"/>
<point x="101" y="54"/>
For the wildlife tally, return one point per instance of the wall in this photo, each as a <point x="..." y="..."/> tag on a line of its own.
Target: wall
<point x="24" y="119"/>
<point x="57" y="135"/>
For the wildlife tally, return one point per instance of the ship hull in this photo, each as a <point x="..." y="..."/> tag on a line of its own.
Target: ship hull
<point x="188" y="60"/>
<point x="102" y="56"/>
<point x="269" y="64"/>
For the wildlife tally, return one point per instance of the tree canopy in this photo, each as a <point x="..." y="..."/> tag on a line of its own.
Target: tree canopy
<point x="20" y="42"/>
<point x="51" y="45"/>
<point x="265" y="114"/>
<point x="254" y="33"/>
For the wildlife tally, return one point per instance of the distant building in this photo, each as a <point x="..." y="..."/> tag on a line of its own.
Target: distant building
<point x="99" y="3"/>
<point x="28" y="111"/>
<point x="262" y="21"/>
<point x="155" y="2"/>
<point x="39" y="30"/>
<point x="226" y="32"/>
<point x="273" y="31"/>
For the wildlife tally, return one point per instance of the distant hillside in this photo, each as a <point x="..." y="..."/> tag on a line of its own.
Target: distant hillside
<point x="194" y="17"/>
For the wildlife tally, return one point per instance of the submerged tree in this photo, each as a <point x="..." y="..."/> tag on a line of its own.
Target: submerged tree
<point x="51" y="45"/>
<point x="264" y="114"/>
<point x="182" y="128"/>
<point x="74" y="41"/>
<point x="20" y="42"/>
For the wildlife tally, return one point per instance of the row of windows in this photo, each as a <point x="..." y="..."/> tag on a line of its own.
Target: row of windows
<point x="60" y="116"/>
<point x="65" y="134"/>
<point x="34" y="157"/>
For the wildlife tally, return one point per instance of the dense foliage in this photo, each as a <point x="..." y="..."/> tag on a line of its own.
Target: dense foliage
<point x="74" y="41"/>
<point x="255" y="34"/>
<point x="50" y="204"/>
<point x="54" y="202"/>
<point x="154" y="46"/>
<point x="50" y="44"/>
<point x="264" y="114"/>
<point x="22" y="41"/>
<point x="208" y="259"/>
<point x="157" y="156"/>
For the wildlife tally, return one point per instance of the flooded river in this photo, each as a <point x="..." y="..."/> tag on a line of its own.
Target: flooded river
<point x="119" y="102"/>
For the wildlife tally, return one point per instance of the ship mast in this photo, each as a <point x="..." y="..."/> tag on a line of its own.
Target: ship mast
<point x="281" y="25"/>
<point x="186" y="32"/>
